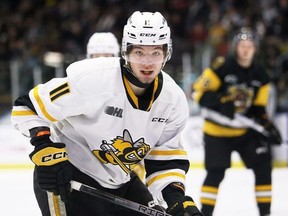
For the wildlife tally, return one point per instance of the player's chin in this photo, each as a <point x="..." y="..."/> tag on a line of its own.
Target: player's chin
<point x="147" y="81"/>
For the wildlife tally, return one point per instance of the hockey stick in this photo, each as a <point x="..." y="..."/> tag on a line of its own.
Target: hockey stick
<point x="256" y="126"/>
<point x="252" y="124"/>
<point x="238" y="121"/>
<point x="145" y="210"/>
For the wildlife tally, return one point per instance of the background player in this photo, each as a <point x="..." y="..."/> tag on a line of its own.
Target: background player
<point x="106" y="116"/>
<point x="232" y="86"/>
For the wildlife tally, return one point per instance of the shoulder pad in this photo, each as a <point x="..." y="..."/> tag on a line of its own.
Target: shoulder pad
<point x="217" y="63"/>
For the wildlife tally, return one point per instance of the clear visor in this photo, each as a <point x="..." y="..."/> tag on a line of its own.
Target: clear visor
<point x="145" y="54"/>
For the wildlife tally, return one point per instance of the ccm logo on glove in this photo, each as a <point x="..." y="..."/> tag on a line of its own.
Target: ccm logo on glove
<point x="49" y="155"/>
<point x="55" y="156"/>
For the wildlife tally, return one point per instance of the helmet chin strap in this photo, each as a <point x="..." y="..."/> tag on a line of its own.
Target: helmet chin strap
<point x="133" y="79"/>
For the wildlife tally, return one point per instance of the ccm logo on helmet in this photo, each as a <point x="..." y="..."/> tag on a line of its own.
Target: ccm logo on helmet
<point x="148" y="34"/>
<point x="54" y="156"/>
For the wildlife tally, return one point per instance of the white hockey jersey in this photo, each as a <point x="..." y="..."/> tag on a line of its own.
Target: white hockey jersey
<point x="106" y="128"/>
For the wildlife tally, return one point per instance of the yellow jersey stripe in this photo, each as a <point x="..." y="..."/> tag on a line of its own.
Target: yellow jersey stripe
<point x="23" y="113"/>
<point x="208" y="81"/>
<point x="156" y="82"/>
<point x="208" y="201"/>
<point x="168" y="152"/>
<point x="130" y="92"/>
<point x="165" y="175"/>
<point x="41" y="105"/>
<point x="262" y="96"/>
<point x="219" y="130"/>
<point x="264" y="199"/>
<point x="209" y="189"/>
<point x="263" y="187"/>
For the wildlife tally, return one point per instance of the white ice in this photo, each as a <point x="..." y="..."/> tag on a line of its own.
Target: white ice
<point x="236" y="196"/>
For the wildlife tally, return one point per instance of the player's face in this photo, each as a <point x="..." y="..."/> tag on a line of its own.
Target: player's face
<point x="245" y="50"/>
<point x="146" y="61"/>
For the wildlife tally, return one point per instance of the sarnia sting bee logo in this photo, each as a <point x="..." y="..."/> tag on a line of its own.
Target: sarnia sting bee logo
<point x="122" y="151"/>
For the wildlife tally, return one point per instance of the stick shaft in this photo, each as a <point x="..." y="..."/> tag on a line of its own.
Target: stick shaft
<point x="252" y="124"/>
<point x="145" y="210"/>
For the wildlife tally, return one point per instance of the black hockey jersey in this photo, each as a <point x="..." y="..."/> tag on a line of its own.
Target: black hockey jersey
<point x="248" y="88"/>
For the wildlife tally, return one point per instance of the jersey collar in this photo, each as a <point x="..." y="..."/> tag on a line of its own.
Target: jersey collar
<point x="145" y="101"/>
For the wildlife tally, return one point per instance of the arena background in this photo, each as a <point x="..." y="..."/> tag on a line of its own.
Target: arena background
<point x="40" y="38"/>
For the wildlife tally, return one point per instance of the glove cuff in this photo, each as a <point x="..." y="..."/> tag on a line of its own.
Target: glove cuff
<point x="39" y="136"/>
<point x="172" y="192"/>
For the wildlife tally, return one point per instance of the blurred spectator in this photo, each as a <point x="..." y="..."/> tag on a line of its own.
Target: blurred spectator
<point x="30" y="28"/>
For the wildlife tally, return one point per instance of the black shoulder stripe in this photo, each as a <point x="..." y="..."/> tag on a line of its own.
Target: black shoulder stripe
<point x="60" y="94"/>
<point x="25" y="101"/>
<point x="59" y="91"/>
<point x="61" y="87"/>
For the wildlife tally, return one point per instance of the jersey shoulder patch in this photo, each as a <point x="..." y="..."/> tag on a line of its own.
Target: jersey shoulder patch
<point x="217" y="62"/>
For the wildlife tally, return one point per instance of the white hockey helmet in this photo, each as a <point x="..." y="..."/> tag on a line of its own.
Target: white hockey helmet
<point x="103" y="43"/>
<point x="146" y="28"/>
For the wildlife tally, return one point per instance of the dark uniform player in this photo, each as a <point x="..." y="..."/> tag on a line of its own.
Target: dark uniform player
<point x="235" y="86"/>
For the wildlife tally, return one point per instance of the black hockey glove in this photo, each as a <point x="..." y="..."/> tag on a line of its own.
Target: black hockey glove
<point x="178" y="203"/>
<point x="227" y="107"/>
<point x="273" y="137"/>
<point x="53" y="170"/>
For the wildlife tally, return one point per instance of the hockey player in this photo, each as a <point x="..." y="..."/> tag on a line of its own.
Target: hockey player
<point x="105" y="44"/>
<point x="102" y="44"/>
<point x="232" y="87"/>
<point x="106" y="116"/>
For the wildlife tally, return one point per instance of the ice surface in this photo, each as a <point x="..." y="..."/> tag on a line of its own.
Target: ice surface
<point x="236" y="196"/>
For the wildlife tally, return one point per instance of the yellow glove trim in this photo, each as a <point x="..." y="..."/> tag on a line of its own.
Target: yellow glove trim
<point x="188" y="203"/>
<point x="49" y="156"/>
